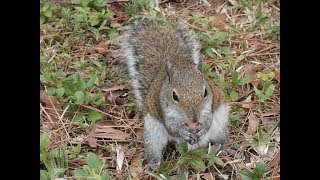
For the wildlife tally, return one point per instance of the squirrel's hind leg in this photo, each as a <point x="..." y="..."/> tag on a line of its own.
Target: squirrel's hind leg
<point x="218" y="132"/>
<point x="155" y="140"/>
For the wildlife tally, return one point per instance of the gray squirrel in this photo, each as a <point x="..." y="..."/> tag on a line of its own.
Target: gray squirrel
<point x="179" y="103"/>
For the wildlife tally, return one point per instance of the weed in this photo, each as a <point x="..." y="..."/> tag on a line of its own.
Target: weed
<point x="55" y="161"/>
<point x="95" y="168"/>
<point x="258" y="172"/>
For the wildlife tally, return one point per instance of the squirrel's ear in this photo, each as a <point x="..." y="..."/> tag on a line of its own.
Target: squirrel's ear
<point x="169" y="70"/>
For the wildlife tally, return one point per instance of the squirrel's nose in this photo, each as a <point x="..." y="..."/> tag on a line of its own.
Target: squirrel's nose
<point x="192" y="124"/>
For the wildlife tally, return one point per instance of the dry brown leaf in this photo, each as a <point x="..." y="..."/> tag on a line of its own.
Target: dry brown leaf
<point x="139" y="133"/>
<point x="276" y="174"/>
<point x="114" y="92"/>
<point x="104" y="130"/>
<point x="218" y="20"/>
<point x="120" y="157"/>
<point x="208" y="176"/>
<point x="275" y="161"/>
<point x="136" y="162"/>
<point x="253" y="123"/>
<point x="112" y="95"/>
<point x="53" y="106"/>
<point x="277" y="76"/>
<point x="102" y="47"/>
<point x="274" y="111"/>
<point x="247" y="103"/>
<point x="251" y="70"/>
<point x="91" y="138"/>
<point x="115" y="24"/>
<point x="120" y="87"/>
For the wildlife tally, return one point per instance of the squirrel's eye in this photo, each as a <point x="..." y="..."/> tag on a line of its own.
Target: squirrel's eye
<point x="174" y="96"/>
<point x="205" y="93"/>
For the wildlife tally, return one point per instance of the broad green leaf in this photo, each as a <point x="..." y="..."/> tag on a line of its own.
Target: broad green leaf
<point x="99" y="3"/>
<point x="79" y="97"/>
<point x="85" y="2"/>
<point x="94" y="116"/>
<point x="44" y="175"/>
<point x="94" y="21"/>
<point x="225" y="50"/>
<point x="77" y="149"/>
<point x="55" y="172"/>
<point x="182" y="161"/>
<point x="48" y="13"/>
<point x="108" y="15"/>
<point x="271" y="75"/>
<point x="246" y="175"/>
<point x="103" y="75"/>
<point x="93" y="161"/>
<point x="260" y="94"/>
<point x="264" y="77"/>
<point x="219" y="161"/>
<point x="182" y="148"/>
<point x="234" y="96"/>
<point x="197" y="164"/>
<point x="91" y="81"/>
<point x="269" y="90"/>
<point x="76" y="1"/>
<point x="69" y="86"/>
<point x="60" y="91"/>
<point x="105" y="175"/>
<point x="235" y="75"/>
<point x="42" y="19"/>
<point x="79" y="117"/>
<point x="44" y="141"/>
<point x="98" y="64"/>
<point x="259" y="170"/>
<point x="80" y="172"/>
<point x="220" y="37"/>
<point x="244" y="81"/>
<point x="209" y="52"/>
<point x="99" y="99"/>
<point x="82" y="85"/>
<point x="46" y="6"/>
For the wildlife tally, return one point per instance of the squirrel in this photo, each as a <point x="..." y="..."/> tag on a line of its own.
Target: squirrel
<point x="178" y="102"/>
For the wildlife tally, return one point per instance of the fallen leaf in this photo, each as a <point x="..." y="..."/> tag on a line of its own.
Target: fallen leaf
<point x="276" y="174"/>
<point x="251" y="70"/>
<point x="103" y="130"/>
<point x="120" y="87"/>
<point x="274" y="111"/>
<point x="136" y="162"/>
<point x="275" y="161"/>
<point x="271" y="68"/>
<point x="218" y="20"/>
<point x="139" y="133"/>
<point x="91" y="138"/>
<point x="102" y="47"/>
<point x="253" y="123"/>
<point x="208" y="176"/>
<point x="115" y="24"/>
<point x="115" y="92"/>
<point x="247" y="103"/>
<point x="277" y="76"/>
<point x="52" y="106"/>
<point x="113" y="95"/>
<point x="120" y="157"/>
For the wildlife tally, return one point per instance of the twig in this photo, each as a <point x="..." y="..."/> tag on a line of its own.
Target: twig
<point x="46" y="113"/>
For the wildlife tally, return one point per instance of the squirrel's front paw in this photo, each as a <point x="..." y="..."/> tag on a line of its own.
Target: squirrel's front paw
<point x="189" y="137"/>
<point x="154" y="166"/>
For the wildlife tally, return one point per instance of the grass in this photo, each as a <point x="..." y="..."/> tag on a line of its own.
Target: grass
<point x="90" y="126"/>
